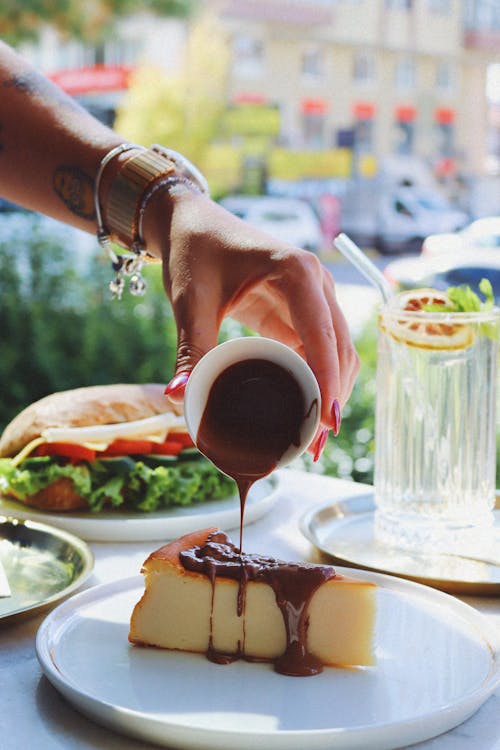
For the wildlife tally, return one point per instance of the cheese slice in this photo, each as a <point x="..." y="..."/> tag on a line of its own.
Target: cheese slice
<point x="157" y="427"/>
<point x="27" y="450"/>
<point x="99" y="437"/>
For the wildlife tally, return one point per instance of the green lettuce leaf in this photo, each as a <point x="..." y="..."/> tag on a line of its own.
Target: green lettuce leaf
<point x="465" y="299"/>
<point x="135" y="485"/>
<point x="36" y="473"/>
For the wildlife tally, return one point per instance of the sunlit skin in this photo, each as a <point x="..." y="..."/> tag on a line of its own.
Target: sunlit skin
<point x="214" y="264"/>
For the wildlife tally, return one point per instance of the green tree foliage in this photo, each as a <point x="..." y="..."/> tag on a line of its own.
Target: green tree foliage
<point x="60" y="328"/>
<point x="89" y="20"/>
<point x="350" y="455"/>
<point x="181" y="108"/>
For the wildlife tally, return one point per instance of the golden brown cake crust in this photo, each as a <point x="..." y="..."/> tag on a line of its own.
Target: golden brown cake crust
<point x="80" y="407"/>
<point x="169" y="553"/>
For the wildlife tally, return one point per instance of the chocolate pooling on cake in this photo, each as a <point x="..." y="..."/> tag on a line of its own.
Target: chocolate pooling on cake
<point x="293" y="584"/>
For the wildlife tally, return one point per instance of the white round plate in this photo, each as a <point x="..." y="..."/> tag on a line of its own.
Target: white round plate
<point x="120" y="526"/>
<point x="438" y="660"/>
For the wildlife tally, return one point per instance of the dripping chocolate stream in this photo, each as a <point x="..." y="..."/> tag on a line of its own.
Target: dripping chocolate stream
<point x="254" y="413"/>
<point x="293" y="585"/>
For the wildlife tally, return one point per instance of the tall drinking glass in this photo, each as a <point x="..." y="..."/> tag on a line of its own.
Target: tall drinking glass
<point x="435" y="436"/>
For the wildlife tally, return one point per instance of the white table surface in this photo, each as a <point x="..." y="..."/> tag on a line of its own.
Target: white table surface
<point x="34" y="715"/>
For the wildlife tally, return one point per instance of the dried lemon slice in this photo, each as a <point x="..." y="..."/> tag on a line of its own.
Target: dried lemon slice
<point x="426" y="330"/>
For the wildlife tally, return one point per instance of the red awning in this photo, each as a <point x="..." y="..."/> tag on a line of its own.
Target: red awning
<point x="444" y="115"/>
<point x="95" y="78"/>
<point x="249" y="97"/>
<point x="405" y="113"/>
<point x="314" y="106"/>
<point x="363" y="110"/>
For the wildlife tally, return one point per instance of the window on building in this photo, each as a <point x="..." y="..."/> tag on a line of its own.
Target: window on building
<point x="493" y="83"/>
<point x="481" y="15"/>
<point x="313" y="62"/>
<point x="313" y="130"/>
<point x="399" y="4"/>
<point x="445" y="75"/>
<point x="123" y="52"/>
<point x="363" y="68"/>
<point x="364" y="114"/>
<point x="405" y="134"/>
<point x="445" y="132"/>
<point x="405" y="74"/>
<point x="363" y="137"/>
<point x="404" y="128"/>
<point x="314" y="113"/>
<point x="439" y="6"/>
<point x="248" y="55"/>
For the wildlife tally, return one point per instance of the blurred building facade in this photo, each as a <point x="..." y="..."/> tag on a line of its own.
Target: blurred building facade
<point x="366" y="78"/>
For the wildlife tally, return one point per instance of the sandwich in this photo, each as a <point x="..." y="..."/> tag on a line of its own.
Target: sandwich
<point x="105" y="447"/>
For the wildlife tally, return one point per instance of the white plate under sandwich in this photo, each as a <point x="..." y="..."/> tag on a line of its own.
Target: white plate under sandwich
<point x="118" y="525"/>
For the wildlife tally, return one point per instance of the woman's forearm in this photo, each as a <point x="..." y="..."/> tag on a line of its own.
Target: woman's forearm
<point x="50" y="146"/>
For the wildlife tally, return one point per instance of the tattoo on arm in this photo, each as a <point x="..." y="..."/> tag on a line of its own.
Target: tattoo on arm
<point x="70" y="183"/>
<point x="76" y="190"/>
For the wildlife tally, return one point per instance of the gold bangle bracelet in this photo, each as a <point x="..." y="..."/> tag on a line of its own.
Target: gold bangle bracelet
<point x="126" y="192"/>
<point x="131" y="182"/>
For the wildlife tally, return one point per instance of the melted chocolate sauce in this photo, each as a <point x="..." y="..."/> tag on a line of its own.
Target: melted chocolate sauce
<point x="254" y="413"/>
<point x="293" y="585"/>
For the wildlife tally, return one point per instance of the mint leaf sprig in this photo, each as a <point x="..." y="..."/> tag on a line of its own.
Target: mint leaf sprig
<point x="464" y="299"/>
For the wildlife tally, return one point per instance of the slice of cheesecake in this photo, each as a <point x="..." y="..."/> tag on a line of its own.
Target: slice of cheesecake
<point x="203" y="595"/>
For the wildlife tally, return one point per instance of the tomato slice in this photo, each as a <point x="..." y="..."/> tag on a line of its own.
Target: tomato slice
<point x="180" y="437"/>
<point x="67" y="450"/>
<point x="171" y="447"/>
<point x="120" y="447"/>
<point x="168" y="448"/>
<point x="123" y="447"/>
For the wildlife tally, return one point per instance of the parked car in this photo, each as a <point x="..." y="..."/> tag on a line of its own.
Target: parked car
<point x="398" y="218"/>
<point x="288" y="219"/>
<point x="443" y="271"/>
<point x="482" y="234"/>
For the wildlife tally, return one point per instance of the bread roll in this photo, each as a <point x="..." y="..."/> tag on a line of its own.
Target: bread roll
<point x="82" y="407"/>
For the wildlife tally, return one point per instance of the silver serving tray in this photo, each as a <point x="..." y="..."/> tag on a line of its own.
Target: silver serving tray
<point x="342" y="529"/>
<point x="43" y="564"/>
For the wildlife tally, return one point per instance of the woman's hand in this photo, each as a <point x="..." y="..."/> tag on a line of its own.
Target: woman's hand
<point x="216" y="265"/>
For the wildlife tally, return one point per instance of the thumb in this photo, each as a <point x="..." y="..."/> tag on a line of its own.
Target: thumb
<point x="197" y="332"/>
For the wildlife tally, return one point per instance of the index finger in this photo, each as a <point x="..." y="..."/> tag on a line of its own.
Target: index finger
<point x="311" y="316"/>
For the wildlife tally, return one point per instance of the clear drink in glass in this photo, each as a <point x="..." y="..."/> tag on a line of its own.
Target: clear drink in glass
<point x="435" y="436"/>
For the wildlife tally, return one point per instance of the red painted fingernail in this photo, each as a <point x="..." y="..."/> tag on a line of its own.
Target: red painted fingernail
<point x="177" y="384"/>
<point x="320" y="444"/>
<point x="337" y="419"/>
